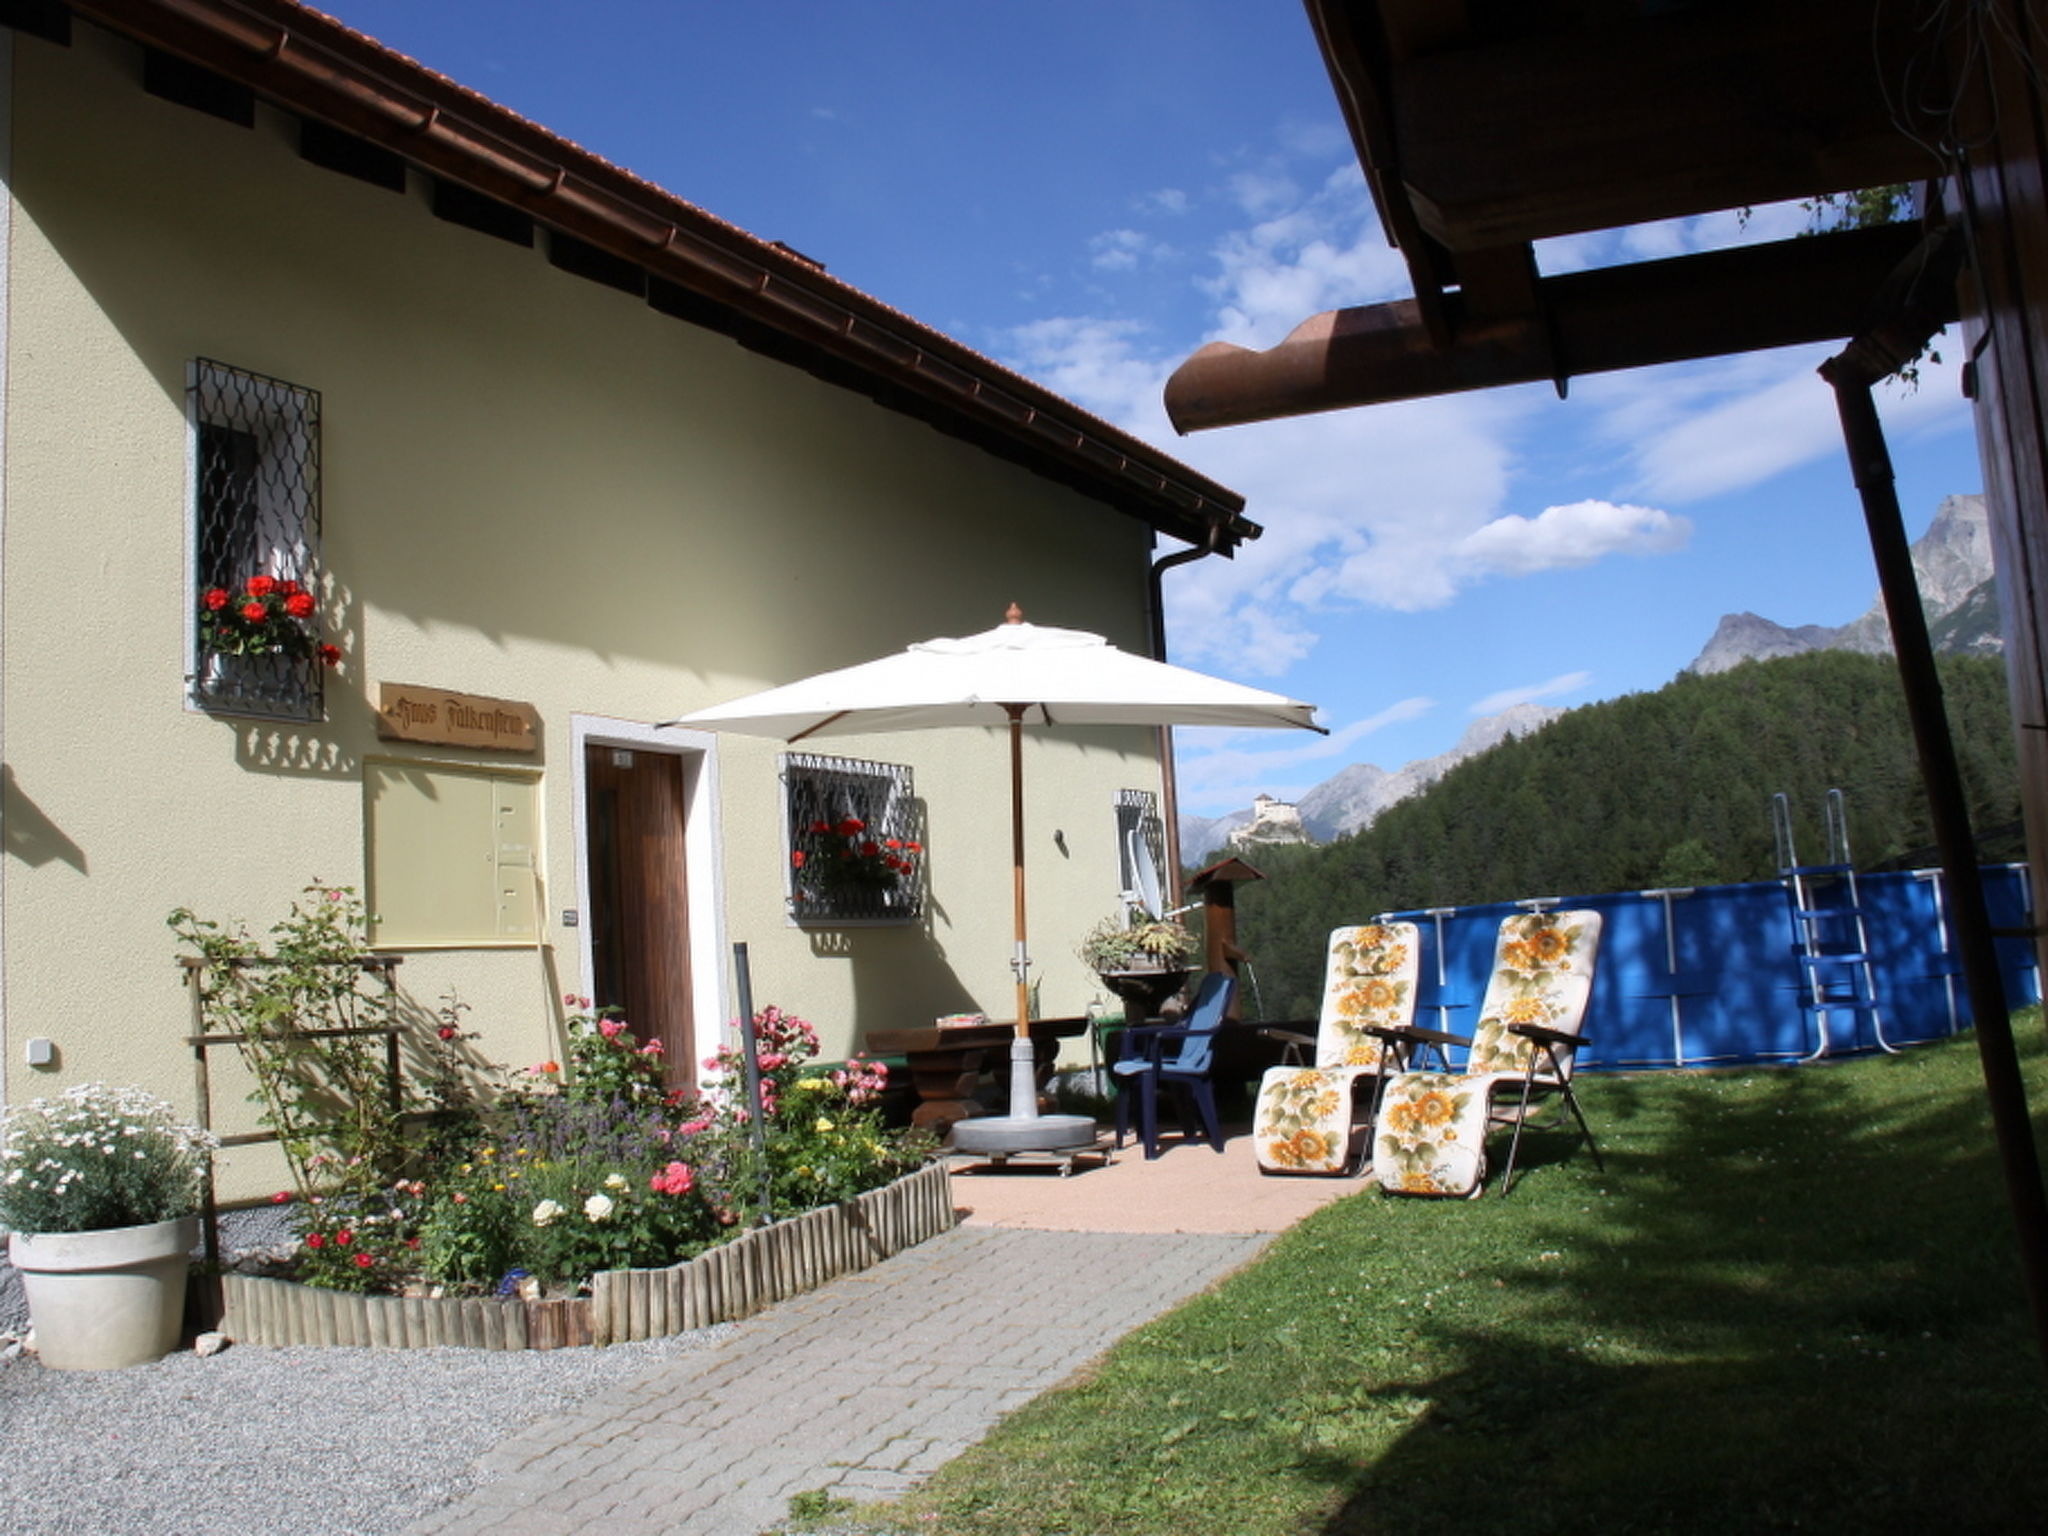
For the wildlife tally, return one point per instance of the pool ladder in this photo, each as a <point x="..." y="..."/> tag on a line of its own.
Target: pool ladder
<point x="1830" y="938"/>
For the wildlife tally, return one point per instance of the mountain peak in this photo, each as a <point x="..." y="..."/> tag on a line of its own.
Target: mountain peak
<point x="1951" y="561"/>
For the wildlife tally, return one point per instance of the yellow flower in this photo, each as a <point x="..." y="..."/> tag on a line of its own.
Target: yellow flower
<point x="1380" y="995"/>
<point x="1525" y="1010"/>
<point x="1281" y="1151"/>
<point x="1549" y="945"/>
<point x="822" y="1126"/>
<point x="1309" y="1146"/>
<point x="1432" y="1108"/>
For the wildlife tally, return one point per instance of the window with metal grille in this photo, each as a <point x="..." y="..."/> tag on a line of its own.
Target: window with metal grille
<point x="257" y="593"/>
<point x="1140" y="849"/>
<point x="854" y="849"/>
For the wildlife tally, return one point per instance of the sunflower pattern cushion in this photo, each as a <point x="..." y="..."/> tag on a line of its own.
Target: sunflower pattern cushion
<point x="1303" y="1120"/>
<point x="1431" y="1136"/>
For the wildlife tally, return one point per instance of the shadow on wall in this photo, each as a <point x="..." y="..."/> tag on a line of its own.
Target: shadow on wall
<point x="30" y="835"/>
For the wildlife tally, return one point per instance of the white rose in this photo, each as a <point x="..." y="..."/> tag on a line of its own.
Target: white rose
<point x="598" y="1207"/>
<point x="615" y="1181"/>
<point x="545" y="1212"/>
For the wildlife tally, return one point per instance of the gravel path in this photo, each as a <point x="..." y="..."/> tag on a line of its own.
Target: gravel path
<point x="288" y="1442"/>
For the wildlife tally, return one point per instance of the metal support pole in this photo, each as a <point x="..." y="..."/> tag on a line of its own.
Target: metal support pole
<point x="1870" y="461"/>
<point x="750" y="1053"/>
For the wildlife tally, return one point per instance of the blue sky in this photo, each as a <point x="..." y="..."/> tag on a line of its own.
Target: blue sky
<point x="1089" y="190"/>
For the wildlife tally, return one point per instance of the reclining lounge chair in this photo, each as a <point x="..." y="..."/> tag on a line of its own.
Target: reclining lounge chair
<point x="1430" y="1138"/>
<point x="1303" y="1120"/>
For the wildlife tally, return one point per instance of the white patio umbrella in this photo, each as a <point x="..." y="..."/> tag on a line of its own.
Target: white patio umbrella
<point x="1014" y="674"/>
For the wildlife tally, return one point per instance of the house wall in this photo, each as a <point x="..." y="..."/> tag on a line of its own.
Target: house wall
<point x="534" y="488"/>
<point x="2005" y="290"/>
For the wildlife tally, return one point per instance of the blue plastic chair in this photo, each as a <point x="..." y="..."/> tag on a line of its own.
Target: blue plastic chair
<point x="1175" y="1056"/>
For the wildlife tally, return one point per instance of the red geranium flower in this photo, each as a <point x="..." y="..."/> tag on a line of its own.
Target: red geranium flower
<point x="291" y="587"/>
<point x="447" y="1031"/>
<point x="255" y="613"/>
<point x="851" y="825"/>
<point x="262" y="586"/>
<point x="300" y="605"/>
<point x="330" y="655"/>
<point x="364" y="1261"/>
<point x="344" y="1237"/>
<point x="216" y="598"/>
<point x="315" y="1240"/>
<point x="796" y="860"/>
<point x="870" y="848"/>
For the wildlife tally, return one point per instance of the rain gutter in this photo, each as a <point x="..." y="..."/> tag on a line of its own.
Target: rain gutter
<point x="763" y="295"/>
<point x="1169" y="778"/>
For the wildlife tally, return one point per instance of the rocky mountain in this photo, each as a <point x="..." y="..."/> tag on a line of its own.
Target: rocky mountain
<point x="1351" y="798"/>
<point x="1953" y="563"/>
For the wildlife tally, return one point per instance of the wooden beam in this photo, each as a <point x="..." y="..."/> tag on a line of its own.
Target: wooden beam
<point x="1752" y="297"/>
<point x="1667" y="116"/>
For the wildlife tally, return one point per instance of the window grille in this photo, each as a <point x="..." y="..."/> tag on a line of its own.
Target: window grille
<point x="1140" y="848"/>
<point x="855" y="853"/>
<point x="255" y="456"/>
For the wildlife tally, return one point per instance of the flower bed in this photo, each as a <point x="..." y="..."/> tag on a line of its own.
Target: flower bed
<point x="509" y="1209"/>
<point x="735" y="1280"/>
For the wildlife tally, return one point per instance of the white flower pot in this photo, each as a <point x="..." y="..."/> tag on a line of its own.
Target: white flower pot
<point x="106" y="1299"/>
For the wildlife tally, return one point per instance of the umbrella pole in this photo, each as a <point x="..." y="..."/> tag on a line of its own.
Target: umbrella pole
<point x="1020" y="961"/>
<point x="1023" y="1055"/>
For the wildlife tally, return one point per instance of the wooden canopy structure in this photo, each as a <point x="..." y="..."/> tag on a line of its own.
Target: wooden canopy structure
<point x="1485" y="126"/>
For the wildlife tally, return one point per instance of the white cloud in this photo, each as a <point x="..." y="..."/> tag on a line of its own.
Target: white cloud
<point x="1578" y="534"/>
<point x="1117" y="250"/>
<point x="1404" y="506"/>
<point x="1553" y="688"/>
<point x="1167" y="200"/>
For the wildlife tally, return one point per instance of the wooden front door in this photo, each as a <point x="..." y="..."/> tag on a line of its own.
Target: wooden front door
<point x="639" y="911"/>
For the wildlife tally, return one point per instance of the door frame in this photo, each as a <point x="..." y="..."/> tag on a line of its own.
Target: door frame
<point x="703" y="861"/>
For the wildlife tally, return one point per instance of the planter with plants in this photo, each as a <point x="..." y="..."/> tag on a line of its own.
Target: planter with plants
<point x="1141" y="958"/>
<point x="99" y="1190"/>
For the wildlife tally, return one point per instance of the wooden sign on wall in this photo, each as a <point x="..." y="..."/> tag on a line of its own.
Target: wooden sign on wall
<point x="409" y="712"/>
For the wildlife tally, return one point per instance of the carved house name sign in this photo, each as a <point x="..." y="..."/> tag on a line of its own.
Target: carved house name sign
<point x="409" y="712"/>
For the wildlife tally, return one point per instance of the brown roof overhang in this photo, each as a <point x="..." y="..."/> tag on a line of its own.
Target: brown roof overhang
<point x="709" y="271"/>
<point x="1784" y="293"/>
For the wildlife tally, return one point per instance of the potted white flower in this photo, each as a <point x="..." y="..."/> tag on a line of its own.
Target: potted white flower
<point x="99" y="1190"/>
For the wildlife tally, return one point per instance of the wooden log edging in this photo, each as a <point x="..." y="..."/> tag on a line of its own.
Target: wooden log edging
<point x="734" y="1280"/>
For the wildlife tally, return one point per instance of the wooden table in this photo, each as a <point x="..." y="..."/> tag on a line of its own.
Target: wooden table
<point x="945" y="1063"/>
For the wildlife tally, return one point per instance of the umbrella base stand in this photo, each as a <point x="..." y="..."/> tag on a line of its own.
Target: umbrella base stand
<point x="1023" y="1129"/>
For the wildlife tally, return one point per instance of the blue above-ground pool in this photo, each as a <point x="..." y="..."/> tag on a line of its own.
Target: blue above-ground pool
<point x="1714" y="975"/>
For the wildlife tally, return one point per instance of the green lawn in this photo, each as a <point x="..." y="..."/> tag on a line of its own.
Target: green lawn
<point x="1791" y="1302"/>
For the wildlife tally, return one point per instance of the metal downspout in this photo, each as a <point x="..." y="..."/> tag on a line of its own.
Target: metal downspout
<point x="1851" y="376"/>
<point x="1169" y="784"/>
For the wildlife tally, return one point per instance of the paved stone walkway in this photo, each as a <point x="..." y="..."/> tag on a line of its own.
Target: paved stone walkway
<point x="862" y="1387"/>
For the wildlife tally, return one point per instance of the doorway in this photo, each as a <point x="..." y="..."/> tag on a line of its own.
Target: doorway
<point x="639" y="910"/>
